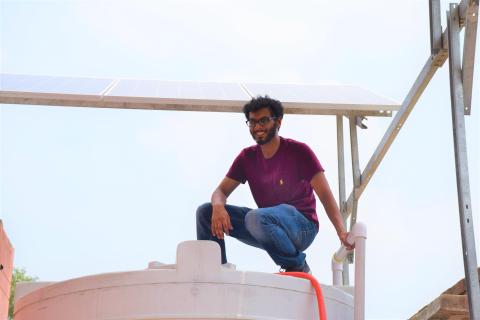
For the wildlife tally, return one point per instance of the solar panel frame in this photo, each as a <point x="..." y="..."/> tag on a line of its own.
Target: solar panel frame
<point x="189" y="96"/>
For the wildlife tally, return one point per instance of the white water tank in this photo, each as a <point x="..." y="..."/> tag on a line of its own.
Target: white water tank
<point x="196" y="287"/>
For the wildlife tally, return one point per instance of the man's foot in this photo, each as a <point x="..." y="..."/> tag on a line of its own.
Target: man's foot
<point x="305" y="268"/>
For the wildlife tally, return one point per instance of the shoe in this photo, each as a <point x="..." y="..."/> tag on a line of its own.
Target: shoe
<point x="305" y="268"/>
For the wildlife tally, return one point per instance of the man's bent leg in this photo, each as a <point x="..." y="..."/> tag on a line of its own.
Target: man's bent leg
<point x="237" y="219"/>
<point x="283" y="232"/>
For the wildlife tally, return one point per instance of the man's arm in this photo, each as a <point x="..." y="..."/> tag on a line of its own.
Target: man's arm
<point x="220" y="219"/>
<point x="322" y="189"/>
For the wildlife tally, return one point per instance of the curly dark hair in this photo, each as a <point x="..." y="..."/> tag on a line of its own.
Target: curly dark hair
<point x="275" y="106"/>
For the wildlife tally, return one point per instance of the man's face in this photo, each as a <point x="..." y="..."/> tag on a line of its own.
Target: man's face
<point x="265" y="128"/>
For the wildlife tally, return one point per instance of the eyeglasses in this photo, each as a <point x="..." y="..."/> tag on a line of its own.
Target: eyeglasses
<point x="262" y="122"/>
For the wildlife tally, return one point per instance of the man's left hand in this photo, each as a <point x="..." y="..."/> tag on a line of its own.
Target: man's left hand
<point x="343" y="239"/>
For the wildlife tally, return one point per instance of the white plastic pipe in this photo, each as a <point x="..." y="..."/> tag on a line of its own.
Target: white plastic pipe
<point x="339" y="256"/>
<point x="337" y="270"/>
<point x="358" y="235"/>
<point x="359" y="298"/>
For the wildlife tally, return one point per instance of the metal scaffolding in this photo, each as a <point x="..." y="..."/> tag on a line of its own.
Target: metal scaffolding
<point x="443" y="45"/>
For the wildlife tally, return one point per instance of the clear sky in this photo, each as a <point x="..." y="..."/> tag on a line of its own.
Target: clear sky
<point x="87" y="191"/>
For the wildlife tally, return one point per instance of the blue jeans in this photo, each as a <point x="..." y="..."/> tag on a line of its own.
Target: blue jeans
<point x="282" y="231"/>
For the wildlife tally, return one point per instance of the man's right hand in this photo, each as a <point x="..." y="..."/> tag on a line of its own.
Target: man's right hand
<point x="220" y="221"/>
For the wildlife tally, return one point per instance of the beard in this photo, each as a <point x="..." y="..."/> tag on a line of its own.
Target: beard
<point x="268" y="136"/>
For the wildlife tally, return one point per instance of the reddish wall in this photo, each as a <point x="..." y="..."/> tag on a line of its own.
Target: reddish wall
<point x="6" y="260"/>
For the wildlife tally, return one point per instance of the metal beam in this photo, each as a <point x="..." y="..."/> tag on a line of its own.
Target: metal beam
<point x="435" y="26"/>
<point x="470" y="20"/>
<point x="461" y="164"/>
<point x="353" y="120"/>
<point x="341" y="190"/>
<point x="341" y="165"/>
<point x="355" y="167"/>
<point x="463" y="7"/>
<point x="431" y="66"/>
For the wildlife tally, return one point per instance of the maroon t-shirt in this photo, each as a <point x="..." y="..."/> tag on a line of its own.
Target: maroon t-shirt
<point x="284" y="178"/>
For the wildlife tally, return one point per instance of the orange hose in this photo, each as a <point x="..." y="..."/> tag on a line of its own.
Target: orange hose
<point x="316" y="286"/>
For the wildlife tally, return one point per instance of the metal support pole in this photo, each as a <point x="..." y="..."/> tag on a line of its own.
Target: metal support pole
<point x="435" y="26"/>
<point x="355" y="168"/>
<point x="341" y="189"/>
<point x="431" y="66"/>
<point x="355" y="172"/>
<point x="461" y="164"/>
<point x="469" y="19"/>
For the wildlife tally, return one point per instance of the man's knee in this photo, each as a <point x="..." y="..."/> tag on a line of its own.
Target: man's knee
<point x="255" y="220"/>
<point x="204" y="212"/>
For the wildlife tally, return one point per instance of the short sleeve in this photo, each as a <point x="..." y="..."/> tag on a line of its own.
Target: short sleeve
<point x="237" y="169"/>
<point x="309" y="164"/>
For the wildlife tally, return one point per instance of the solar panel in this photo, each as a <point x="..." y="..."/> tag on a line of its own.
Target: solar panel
<point x="315" y="98"/>
<point x="54" y="87"/>
<point x="174" y="92"/>
<point x="193" y="96"/>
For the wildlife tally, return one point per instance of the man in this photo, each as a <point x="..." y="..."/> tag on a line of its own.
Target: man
<point x="282" y="174"/>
